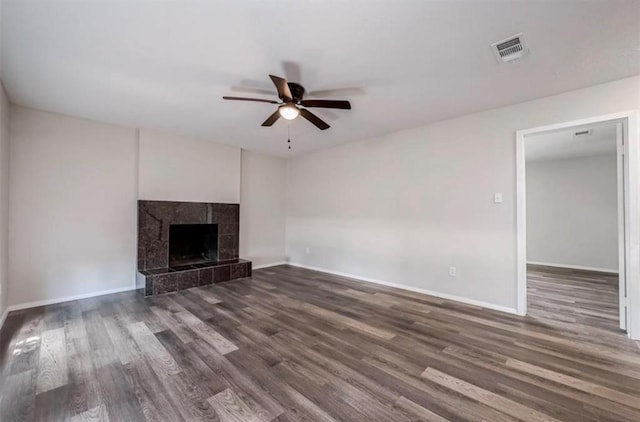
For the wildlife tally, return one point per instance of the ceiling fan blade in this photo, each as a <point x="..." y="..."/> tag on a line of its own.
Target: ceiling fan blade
<point x="261" y="100"/>
<point x="314" y="119"/>
<point x="344" y="105"/>
<point x="253" y="90"/>
<point x="272" y="119"/>
<point x="338" y="92"/>
<point x="282" y="86"/>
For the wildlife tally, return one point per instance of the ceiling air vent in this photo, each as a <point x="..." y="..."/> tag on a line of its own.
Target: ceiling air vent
<point x="582" y="133"/>
<point x="510" y="49"/>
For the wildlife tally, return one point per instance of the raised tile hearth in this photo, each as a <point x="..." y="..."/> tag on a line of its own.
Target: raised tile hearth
<point x="187" y="244"/>
<point x="166" y="280"/>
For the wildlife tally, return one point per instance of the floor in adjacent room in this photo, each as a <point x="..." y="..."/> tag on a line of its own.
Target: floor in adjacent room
<point x="570" y="296"/>
<point x="291" y="344"/>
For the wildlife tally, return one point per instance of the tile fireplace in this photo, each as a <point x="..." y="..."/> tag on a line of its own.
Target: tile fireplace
<point x="187" y="244"/>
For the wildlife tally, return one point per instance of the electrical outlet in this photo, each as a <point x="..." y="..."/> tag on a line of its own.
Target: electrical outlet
<point x="452" y="271"/>
<point x="308" y="251"/>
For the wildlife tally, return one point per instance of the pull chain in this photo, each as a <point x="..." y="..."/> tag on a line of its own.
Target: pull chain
<point x="289" y="134"/>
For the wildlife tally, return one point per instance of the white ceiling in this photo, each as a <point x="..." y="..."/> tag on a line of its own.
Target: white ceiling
<point x="564" y="144"/>
<point x="166" y="64"/>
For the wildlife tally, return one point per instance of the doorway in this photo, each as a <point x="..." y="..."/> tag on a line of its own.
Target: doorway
<point x="576" y="234"/>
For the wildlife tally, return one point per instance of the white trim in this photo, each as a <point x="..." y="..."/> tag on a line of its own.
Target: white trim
<point x="632" y="270"/>
<point x="633" y="227"/>
<point x="623" y="212"/>
<point x="521" y="229"/>
<point x="447" y="296"/>
<point x="574" y="267"/>
<point x="272" y="264"/>
<point x="137" y="187"/>
<point x="630" y="114"/>
<point x="66" y="299"/>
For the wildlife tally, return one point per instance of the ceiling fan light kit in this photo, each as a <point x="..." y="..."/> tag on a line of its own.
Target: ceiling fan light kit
<point x="289" y="111"/>
<point x="292" y="102"/>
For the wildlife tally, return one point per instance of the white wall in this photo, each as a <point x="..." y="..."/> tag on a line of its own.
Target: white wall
<point x="73" y="200"/>
<point x="262" y="209"/>
<point x="72" y="206"/>
<point x="4" y="198"/>
<point x="4" y="189"/>
<point x="404" y="207"/>
<point x="175" y="168"/>
<point x="572" y="212"/>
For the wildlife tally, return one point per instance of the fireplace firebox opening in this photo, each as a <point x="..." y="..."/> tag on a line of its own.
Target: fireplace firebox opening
<point x="192" y="244"/>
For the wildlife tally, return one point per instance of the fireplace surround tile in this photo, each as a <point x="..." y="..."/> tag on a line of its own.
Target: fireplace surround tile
<point x="165" y="283"/>
<point x="188" y="279"/>
<point x="222" y="273"/>
<point x="206" y="276"/>
<point x="240" y="270"/>
<point x="228" y="228"/>
<point x="227" y="246"/>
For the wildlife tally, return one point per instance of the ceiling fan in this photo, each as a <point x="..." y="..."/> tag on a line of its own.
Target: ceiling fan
<point x="291" y="103"/>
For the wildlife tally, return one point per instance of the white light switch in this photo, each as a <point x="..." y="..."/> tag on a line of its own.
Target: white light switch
<point x="497" y="198"/>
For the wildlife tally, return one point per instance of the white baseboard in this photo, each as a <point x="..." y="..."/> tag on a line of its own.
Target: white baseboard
<point x="271" y="264"/>
<point x="447" y="296"/>
<point x="66" y="299"/>
<point x="573" y="267"/>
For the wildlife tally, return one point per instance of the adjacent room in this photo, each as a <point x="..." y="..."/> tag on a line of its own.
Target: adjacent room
<point x="575" y="230"/>
<point x="290" y="211"/>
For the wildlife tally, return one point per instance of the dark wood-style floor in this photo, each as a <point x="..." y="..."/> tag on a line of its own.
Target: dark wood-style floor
<point x="295" y="345"/>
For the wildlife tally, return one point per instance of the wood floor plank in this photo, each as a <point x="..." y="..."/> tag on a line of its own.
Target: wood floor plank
<point x="125" y="346"/>
<point x="349" y="322"/>
<point x="218" y="342"/>
<point x="149" y="392"/>
<point x="95" y="414"/>
<point x="52" y="365"/>
<point x="17" y="397"/>
<point x="47" y="405"/>
<point x="307" y="407"/>
<point x="210" y="382"/>
<point x="174" y="324"/>
<point x="26" y="347"/>
<point x="206" y="295"/>
<point x="84" y="388"/>
<point x="459" y="407"/>
<point x="231" y="408"/>
<point x="96" y="330"/>
<point x="160" y="360"/>
<point x="569" y="381"/>
<point x="116" y="388"/>
<point x="242" y="383"/>
<point x="486" y="397"/>
<point x="418" y="411"/>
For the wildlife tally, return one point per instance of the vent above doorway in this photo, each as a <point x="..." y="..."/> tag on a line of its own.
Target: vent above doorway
<point x="510" y="49"/>
<point x="582" y="132"/>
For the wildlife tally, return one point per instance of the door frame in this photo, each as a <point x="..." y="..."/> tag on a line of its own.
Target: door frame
<point x="631" y="270"/>
<point x="623" y="224"/>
